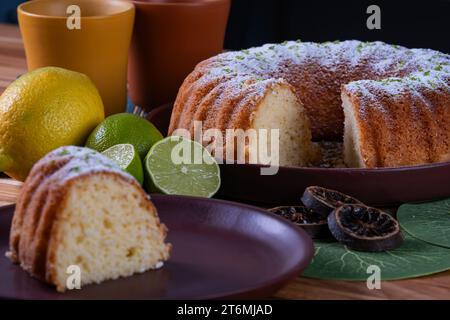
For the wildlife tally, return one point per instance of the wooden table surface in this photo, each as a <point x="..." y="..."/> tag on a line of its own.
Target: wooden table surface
<point x="12" y="64"/>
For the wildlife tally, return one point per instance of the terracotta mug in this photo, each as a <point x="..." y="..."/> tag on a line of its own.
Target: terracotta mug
<point x="170" y="37"/>
<point x="98" y="46"/>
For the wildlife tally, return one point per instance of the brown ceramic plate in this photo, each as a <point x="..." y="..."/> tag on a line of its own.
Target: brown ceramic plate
<point x="220" y="250"/>
<point x="378" y="187"/>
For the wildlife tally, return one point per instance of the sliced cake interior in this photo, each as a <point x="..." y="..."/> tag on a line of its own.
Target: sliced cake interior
<point x="280" y="109"/>
<point x="352" y="135"/>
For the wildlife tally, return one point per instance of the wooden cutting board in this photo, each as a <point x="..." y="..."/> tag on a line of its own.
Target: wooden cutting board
<point x="8" y="191"/>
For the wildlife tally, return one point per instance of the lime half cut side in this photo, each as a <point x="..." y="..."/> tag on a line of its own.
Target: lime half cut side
<point x="179" y="166"/>
<point x="127" y="158"/>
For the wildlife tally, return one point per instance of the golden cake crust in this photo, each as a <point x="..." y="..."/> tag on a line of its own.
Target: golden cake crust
<point x="402" y="122"/>
<point x="40" y="173"/>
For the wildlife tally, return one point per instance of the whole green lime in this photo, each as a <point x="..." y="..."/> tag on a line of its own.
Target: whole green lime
<point x="124" y="128"/>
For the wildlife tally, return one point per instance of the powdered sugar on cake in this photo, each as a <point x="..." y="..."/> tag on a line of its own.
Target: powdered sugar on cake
<point x="318" y="70"/>
<point x="396" y="93"/>
<point x="423" y="67"/>
<point x="83" y="161"/>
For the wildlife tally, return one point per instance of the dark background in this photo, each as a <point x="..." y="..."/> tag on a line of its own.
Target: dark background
<point x="424" y="23"/>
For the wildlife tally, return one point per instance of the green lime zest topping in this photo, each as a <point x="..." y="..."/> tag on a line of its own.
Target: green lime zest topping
<point x="359" y="47"/>
<point x="64" y="152"/>
<point x="432" y="84"/>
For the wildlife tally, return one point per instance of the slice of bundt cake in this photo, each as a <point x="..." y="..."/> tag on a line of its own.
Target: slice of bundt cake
<point x="78" y="208"/>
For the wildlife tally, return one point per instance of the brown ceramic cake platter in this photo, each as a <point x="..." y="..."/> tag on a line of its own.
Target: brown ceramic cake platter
<point x="220" y="250"/>
<point x="378" y="187"/>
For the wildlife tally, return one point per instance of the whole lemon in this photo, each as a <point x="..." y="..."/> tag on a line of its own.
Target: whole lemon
<point x="43" y="110"/>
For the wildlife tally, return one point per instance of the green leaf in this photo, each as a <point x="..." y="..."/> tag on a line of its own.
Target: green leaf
<point x="414" y="258"/>
<point x="429" y="222"/>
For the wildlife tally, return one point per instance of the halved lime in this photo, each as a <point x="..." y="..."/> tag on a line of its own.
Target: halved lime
<point x="180" y="166"/>
<point x="127" y="158"/>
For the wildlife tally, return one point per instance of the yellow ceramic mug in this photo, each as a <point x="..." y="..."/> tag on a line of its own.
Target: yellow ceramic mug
<point x="88" y="36"/>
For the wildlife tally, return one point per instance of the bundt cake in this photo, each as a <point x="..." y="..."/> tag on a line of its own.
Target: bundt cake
<point x="78" y="208"/>
<point x="397" y="100"/>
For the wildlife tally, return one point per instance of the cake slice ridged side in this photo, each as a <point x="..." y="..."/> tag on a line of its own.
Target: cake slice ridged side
<point x="33" y="218"/>
<point x="40" y="172"/>
<point x="37" y="247"/>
